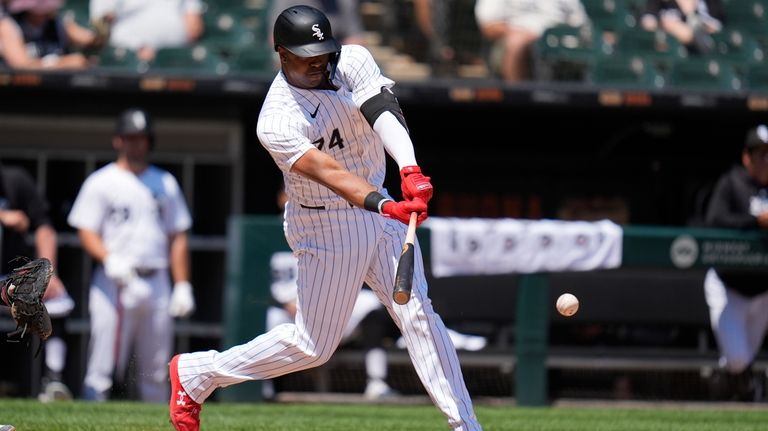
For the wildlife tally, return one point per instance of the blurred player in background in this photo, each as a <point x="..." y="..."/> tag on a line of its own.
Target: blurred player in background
<point x="738" y="298"/>
<point x="328" y="120"/>
<point x="133" y="220"/>
<point x="24" y="211"/>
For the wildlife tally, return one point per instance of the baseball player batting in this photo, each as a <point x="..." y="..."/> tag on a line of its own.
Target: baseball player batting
<point x="328" y="119"/>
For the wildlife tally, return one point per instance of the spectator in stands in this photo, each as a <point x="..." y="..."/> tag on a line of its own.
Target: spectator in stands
<point x="145" y="26"/>
<point x="514" y="25"/>
<point x="344" y="16"/>
<point x="33" y="35"/>
<point x="690" y="21"/>
<point x="738" y="298"/>
<point x="433" y="21"/>
<point x="23" y="212"/>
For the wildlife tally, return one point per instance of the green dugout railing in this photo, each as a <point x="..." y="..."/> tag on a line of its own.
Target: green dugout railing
<point x="253" y="240"/>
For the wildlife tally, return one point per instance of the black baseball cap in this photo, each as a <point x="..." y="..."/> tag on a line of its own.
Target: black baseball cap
<point x="756" y="137"/>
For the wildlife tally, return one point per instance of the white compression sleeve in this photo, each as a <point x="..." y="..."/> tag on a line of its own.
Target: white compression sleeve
<point x="396" y="140"/>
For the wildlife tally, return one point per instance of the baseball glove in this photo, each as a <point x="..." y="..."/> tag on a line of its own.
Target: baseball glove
<point x="23" y="291"/>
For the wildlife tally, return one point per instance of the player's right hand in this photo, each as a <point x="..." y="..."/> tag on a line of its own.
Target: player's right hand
<point x="119" y="269"/>
<point x="402" y="210"/>
<point x="415" y="185"/>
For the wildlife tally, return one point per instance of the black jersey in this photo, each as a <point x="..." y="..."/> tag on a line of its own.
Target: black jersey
<point x="735" y="203"/>
<point x="18" y="192"/>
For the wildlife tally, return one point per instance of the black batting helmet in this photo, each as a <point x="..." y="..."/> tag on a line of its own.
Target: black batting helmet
<point x="135" y="121"/>
<point x="306" y="32"/>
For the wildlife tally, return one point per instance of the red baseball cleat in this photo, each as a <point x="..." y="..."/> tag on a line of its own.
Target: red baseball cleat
<point x="184" y="411"/>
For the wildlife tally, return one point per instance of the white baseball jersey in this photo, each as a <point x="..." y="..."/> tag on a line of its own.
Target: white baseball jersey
<point x="294" y="120"/>
<point x="533" y="15"/>
<point x="152" y="23"/>
<point x="134" y="215"/>
<point x="338" y="249"/>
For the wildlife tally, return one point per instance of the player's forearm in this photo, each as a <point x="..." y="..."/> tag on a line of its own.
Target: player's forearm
<point x="323" y="169"/>
<point x="396" y="140"/>
<point x="179" y="254"/>
<point x="46" y="243"/>
<point x="93" y="245"/>
<point x="349" y="186"/>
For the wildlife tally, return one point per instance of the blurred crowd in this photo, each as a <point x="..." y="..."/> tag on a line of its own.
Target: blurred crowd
<point x="635" y="42"/>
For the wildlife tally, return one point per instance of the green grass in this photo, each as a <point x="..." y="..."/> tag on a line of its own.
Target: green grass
<point x="30" y="415"/>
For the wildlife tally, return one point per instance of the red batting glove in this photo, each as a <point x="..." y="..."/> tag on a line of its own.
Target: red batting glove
<point x="414" y="184"/>
<point x="402" y="210"/>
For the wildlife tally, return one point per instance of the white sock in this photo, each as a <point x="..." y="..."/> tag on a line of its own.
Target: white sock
<point x="376" y="364"/>
<point x="55" y="354"/>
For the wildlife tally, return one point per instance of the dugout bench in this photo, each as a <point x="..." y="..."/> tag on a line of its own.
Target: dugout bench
<point x="652" y="257"/>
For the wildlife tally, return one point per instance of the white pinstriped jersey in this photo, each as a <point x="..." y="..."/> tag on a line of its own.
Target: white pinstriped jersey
<point x="294" y="120"/>
<point x="338" y="248"/>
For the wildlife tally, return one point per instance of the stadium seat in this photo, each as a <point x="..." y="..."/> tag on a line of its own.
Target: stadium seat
<point x="198" y="60"/>
<point x="224" y="33"/>
<point x="704" y="74"/>
<point x="121" y="59"/>
<point x="610" y="15"/>
<point x="624" y="71"/>
<point x="756" y="78"/>
<point x="748" y="15"/>
<point x="658" y="46"/>
<point x="563" y="52"/>
<point x="635" y="7"/>
<point x="255" y="20"/>
<point x="737" y="46"/>
<point x="79" y="10"/>
<point x="253" y="59"/>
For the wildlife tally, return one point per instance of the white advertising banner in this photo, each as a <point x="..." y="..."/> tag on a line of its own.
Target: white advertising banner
<point x="474" y="246"/>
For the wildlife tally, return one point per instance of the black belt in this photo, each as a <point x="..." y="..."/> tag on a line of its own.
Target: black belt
<point x="146" y="272"/>
<point x="321" y="207"/>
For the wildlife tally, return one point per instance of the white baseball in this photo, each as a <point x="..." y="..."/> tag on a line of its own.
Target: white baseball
<point x="567" y="304"/>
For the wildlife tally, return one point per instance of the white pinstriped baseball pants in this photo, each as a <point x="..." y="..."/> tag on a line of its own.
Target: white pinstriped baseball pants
<point x="338" y="249"/>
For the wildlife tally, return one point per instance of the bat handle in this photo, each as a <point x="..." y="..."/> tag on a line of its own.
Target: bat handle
<point x="410" y="236"/>
<point x="404" y="274"/>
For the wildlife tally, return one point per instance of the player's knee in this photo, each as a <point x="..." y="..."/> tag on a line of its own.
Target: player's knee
<point x="313" y="358"/>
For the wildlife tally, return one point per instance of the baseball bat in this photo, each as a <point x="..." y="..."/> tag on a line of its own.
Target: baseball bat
<point x="404" y="275"/>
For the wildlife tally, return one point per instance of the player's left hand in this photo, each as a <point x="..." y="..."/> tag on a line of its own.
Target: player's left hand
<point x="415" y="185"/>
<point x="182" y="301"/>
<point x="402" y="210"/>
